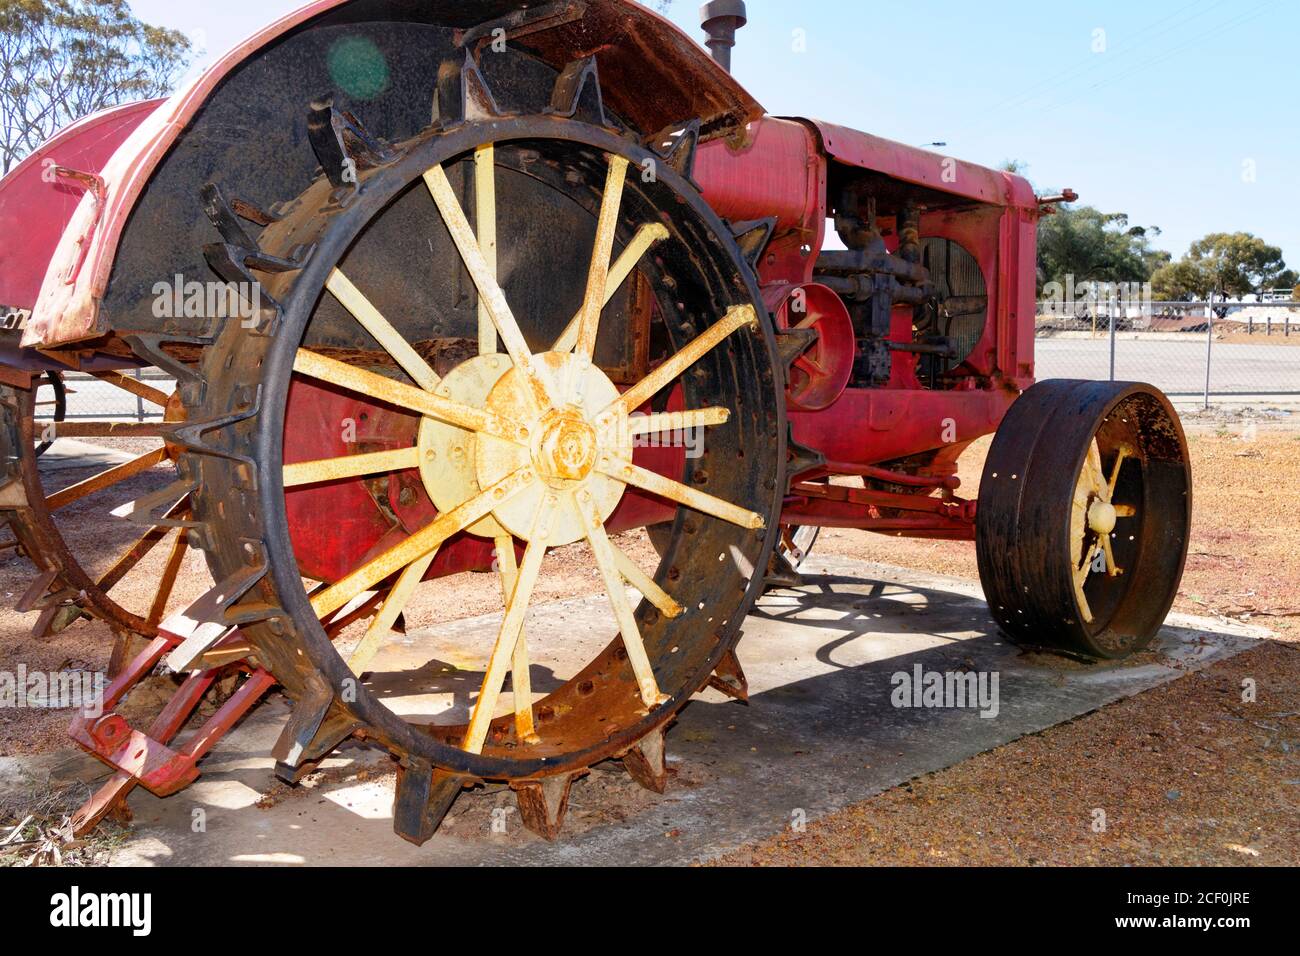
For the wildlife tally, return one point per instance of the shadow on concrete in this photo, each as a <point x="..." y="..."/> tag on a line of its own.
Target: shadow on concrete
<point x="820" y="731"/>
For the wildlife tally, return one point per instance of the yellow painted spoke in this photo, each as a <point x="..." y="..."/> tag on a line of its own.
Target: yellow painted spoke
<point x="601" y="253"/>
<point x="1081" y="578"/>
<point x="105" y="479"/>
<point x="645" y="237"/>
<point x="1125" y="511"/>
<point x="421" y="543"/>
<point x="511" y="632"/>
<point x="646" y="585"/>
<point x="657" y="484"/>
<point x="1095" y="475"/>
<point x="383" y="621"/>
<point x="607" y="562"/>
<point x="383" y="332"/>
<point x="685" y="357"/>
<point x="1124" y="452"/>
<point x="508" y="571"/>
<point x="485" y="281"/>
<point x="485" y="200"/>
<point x="405" y="396"/>
<point x="1112" y="569"/>
<point x="350" y="466"/>
<point x="677" y="421"/>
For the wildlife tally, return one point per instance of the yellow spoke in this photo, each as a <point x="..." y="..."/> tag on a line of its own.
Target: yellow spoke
<point x="383" y="332"/>
<point x="485" y="199"/>
<point x="1124" y="452"/>
<point x="646" y="237"/>
<point x="508" y="571"/>
<point x="105" y="479"/>
<point x="1112" y="568"/>
<point x="657" y="484"/>
<point x="421" y="543"/>
<point x="601" y="253"/>
<point x="406" y="396"/>
<point x="1080" y="579"/>
<point x="685" y="357"/>
<point x="1093" y="471"/>
<point x="350" y="466"/>
<point x="677" y="421"/>
<point x="393" y="605"/>
<point x="511" y="632"/>
<point x="607" y="562"/>
<point x="1125" y="511"/>
<point x="649" y="589"/>
<point x="485" y="281"/>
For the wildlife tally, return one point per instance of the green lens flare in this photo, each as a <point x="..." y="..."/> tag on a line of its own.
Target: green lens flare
<point x="358" y="68"/>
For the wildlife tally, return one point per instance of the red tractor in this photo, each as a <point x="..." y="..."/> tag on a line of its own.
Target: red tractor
<point x="442" y="285"/>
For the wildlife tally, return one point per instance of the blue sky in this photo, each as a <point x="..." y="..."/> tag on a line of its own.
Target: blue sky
<point x="1181" y="113"/>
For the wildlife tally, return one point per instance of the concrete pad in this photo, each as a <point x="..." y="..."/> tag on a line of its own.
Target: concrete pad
<point x="821" y="731"/>
<point x="71" y="453"/>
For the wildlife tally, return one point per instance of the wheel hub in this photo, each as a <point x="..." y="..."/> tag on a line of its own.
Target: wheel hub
<point x="567" y="451"/>
<point x="1102" y="517"/>
<point x="567" y="445"/>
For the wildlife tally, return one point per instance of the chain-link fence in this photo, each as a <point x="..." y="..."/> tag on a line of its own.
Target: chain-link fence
<point x="84" y="396"/>
<point x="1225" y="349"/>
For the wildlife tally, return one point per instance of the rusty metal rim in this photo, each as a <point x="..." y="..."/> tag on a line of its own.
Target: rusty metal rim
<point x="381" y="723"/>
<point x="41" y="534"/>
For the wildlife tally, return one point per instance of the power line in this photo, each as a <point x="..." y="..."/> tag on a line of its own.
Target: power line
<point x="1097" y="61"/>
<point x="1220" y="29"/>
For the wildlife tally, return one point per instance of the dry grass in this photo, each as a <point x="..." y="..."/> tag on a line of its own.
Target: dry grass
<point x="35" y="828"/>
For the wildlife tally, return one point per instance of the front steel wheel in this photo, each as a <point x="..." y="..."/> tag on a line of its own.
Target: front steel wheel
<point x="1084" y="517"/>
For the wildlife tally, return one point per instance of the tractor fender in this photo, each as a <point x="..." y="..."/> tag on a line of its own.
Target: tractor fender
<point x="242" y="125"/>
<point x="37" y="198"/>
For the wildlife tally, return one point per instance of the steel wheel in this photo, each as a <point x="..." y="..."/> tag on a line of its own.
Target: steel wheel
<point x="509" y="452"/>
<point x="1084" y="516"/>
<point x="44" y="520"/>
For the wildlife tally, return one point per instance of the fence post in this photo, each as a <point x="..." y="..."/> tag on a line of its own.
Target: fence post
<point x="1209" y="345"/>
<point x="1112" y="341"/>
<point x="139" y="401"/>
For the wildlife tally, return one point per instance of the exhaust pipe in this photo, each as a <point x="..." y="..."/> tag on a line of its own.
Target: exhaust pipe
<point x="721" y="19"/>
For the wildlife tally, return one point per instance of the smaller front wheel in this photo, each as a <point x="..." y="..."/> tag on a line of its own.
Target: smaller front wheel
<point x="1084" y="516"/>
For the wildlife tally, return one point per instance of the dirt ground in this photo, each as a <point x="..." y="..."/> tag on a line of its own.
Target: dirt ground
<point x="1188" y="773"/>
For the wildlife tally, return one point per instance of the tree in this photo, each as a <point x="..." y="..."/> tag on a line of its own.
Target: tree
<point x="1234" y="264"/>
<point x="1093" y="246"/>
<point x="1182" y="281"/>
<point x="61" y="60"/>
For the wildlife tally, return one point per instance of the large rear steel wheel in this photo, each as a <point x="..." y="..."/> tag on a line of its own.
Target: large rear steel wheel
<point x="1084" y="517"/>
<point x="395" y="306"/>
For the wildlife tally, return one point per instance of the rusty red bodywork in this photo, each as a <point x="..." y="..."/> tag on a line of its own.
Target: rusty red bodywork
<point x="37" y="201"/>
